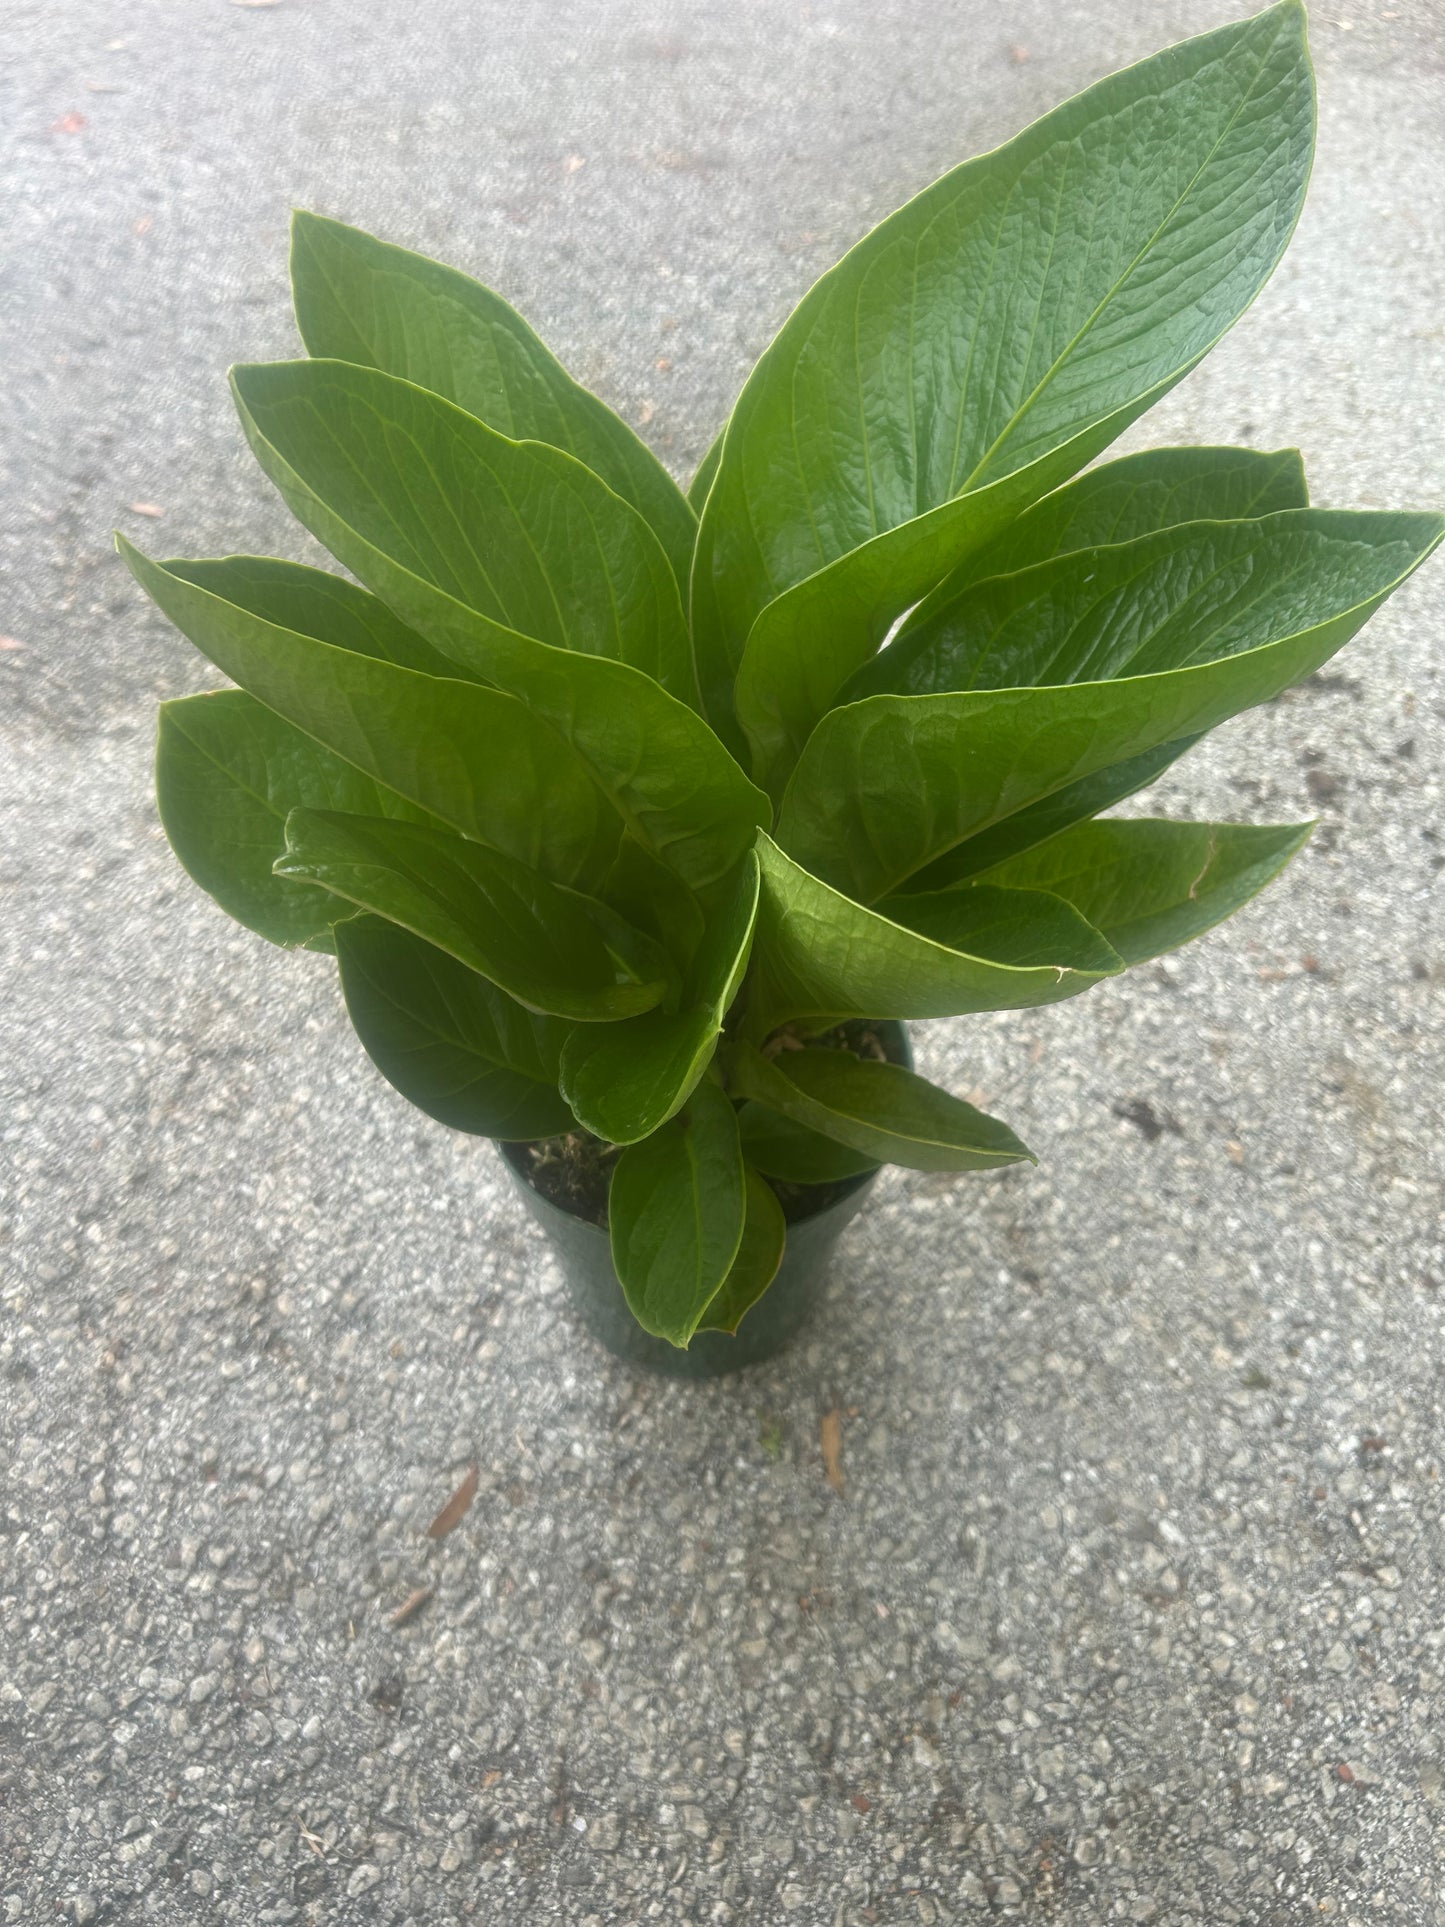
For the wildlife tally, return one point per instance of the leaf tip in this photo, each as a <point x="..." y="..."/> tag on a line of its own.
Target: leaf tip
<point x="1291" y="12"/>
<point x="242" y="375"/>
<point x="136" y="560"/>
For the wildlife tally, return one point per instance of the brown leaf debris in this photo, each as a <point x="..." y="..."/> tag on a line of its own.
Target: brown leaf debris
<point x="411" y="1605"/>
<point x="456" y="1508"/>
<point x="831" y="1434"/>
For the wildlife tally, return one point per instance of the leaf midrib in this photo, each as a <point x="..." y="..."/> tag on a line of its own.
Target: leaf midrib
<point x="872" y="1122"/>
<point x="1022" y="410"/>
<point x="456" y="1040"/>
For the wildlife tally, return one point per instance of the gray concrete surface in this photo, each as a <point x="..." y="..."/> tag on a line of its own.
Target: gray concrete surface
<point x="1133" y="1606"/>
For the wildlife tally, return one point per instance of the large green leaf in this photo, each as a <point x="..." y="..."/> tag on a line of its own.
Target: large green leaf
<point x="676" y="1212"/>
<point x="782" y="1148"/>
<point x="888" y="1113"/>
<point x="227" y="772"/>
<point x="1050" y="815"/>
<point x="821" y="958"/>
<point x="361" y="300"/>
<point x="983" y="344"/>
<point x="475" y="758"/>
<point x="624" y="1080"/>
<point x="1112" y="504"/>
<point x="1157" y="489"/>
<point x="521" y="533"/>
<point x="889" y="784"/>
<point x="557" y="952"/>
<point x="1197" y="593"/>
<point x="391" y="478"/>
<point x="452" y="1043"/>
<point x="765" y="1233"/>
<point x="1147" y="884"/>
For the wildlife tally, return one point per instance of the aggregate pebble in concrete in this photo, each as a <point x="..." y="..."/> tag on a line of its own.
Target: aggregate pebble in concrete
<point x="1131" y="1607"/>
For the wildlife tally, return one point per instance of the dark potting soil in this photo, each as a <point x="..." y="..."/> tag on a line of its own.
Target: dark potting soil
<point x="573" y="1171"/>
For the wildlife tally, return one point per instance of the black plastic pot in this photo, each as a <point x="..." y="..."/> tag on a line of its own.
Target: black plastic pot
<point x="585" y="1254"/>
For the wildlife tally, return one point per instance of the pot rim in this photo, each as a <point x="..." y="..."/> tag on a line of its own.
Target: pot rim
<point x="840" y="1192"/>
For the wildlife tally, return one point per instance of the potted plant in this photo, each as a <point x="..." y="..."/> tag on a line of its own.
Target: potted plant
<point x="639" y="822"/>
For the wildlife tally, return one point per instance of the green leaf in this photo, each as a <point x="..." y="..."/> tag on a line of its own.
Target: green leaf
<point x="315" y="603"/>
<point x="979" y="347"/>
<point x="451" y="1043"/>
<point x="676" y="1212"/>
<point x="821" y="958"/>
<point x="1197" y="593"/>
<point x="889" y="784"/>
<point x="1151" y="885"/>
<point x="706" y="470"/>
<point x="227" y="772"/>
<point x="1123" y="500"/>
<point x="555" y="951"/>
<point x="655" y="900"/>
<point x="397" y="483"/>
<point x="520" y="533"/>
<point x="1047" y="817"/>
<point x="888" y="1113"/>
<point x="624" y="1080"/>
<point x="782" y="1148"/>
<point x="363" y="301"/>
<point x="765" y="1233"/>
<point x="474" y="758"/>
<point x="1028" y="928"/>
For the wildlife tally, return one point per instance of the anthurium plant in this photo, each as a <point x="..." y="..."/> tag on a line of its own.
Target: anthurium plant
<point x="617" y="804"/>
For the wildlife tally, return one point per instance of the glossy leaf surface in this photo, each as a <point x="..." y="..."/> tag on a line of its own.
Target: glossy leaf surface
<point x="472" y="757"/>
<point x="228" y="770"/>
<point x="1150" y="885"/>
<point x="364" y="301"/>
<point x="821" y="958"/>
<point x="983" y="344"/>
<point x="765" y="1233"/>
<point x="1028" y="928"/>
<point x="676" y="1211"/>
<point x="314" y="602"/>
<point x="390" y="479"/>
<point x="780" y="1147"/>
<point x="555" y="951"/>
<point x="623" y="1080"/>
<point x="521" y="533"/>
<point x="888" y="1113"/>
<point x="1201" y="592"/>
<point x="889" y="784"/>
<point x="655" y="900"/>
<point x="451" y="1042"/>
<point x="1121" y="501"/>
<point x="1050" y="815"/>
